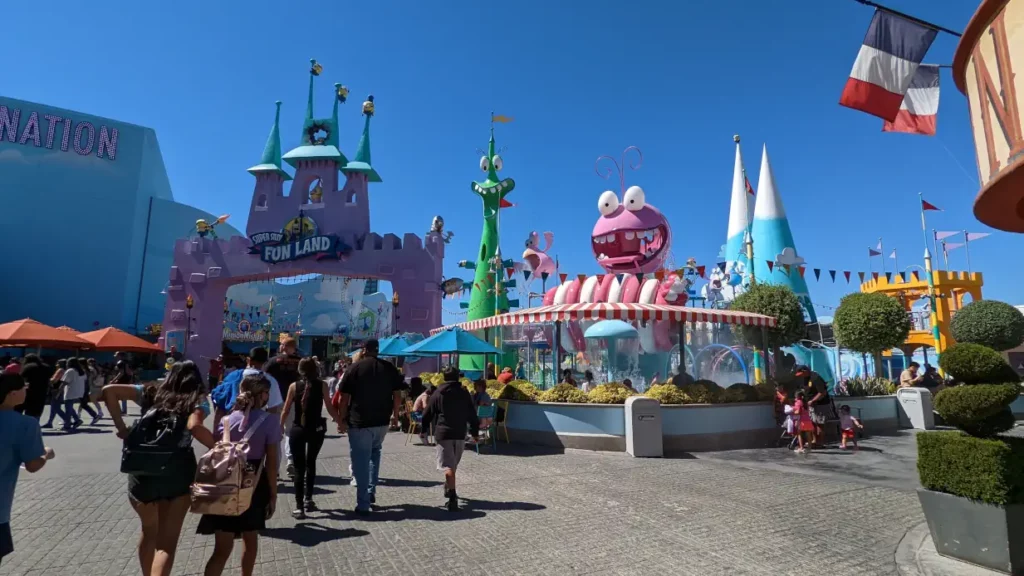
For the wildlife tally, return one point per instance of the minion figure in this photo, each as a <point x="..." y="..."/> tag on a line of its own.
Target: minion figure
<point x="203" y="229"/>
<point x="316" y="195"/>
<point x="368" y="107"/>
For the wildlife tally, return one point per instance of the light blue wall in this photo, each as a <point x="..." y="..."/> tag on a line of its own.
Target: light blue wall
<point x="77" y="221"/>
<point x="568" y="418"/>
<point x="875" y="408"/>
<point x="716" y="419"/>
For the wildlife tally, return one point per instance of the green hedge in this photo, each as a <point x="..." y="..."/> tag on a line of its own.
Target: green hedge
<point x="610" y="393"/>
<point x="564" y="393"/>
<point x="989" y="323"/>
<point x="982" y="469"/>
<point x="667" y="394"/>
<point x="740" y="392"/>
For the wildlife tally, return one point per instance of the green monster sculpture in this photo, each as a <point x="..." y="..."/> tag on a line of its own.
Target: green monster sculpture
<point x="489" y="294"/>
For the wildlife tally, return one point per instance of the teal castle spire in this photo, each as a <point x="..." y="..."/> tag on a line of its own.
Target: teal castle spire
<point x="271" y="160"/>
<point x="361" y="163"/>
<point x="319" y="140"/>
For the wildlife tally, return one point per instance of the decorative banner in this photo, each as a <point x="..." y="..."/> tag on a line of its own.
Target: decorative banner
<point x="817" y="274"/>
<point x="581" y="277"/>
<point x="563" y="276"/>
<point x="786" y="266"/>
<point x="874" y="275"/>
<point x="861" y="274"/>
<point x="847" y="274"/>
<point x="888" y="276"/>
<point x="771" y="265"/>
<point x="721" y="266"/>
<point x="509" y="272"/>
<point x="802" y="269"/>
<point x="620" y="278"/>
<point x="640" y="277"/>
<point x="832" y="273"/>
<point x="526" y="275"/>
<point x="914" y="274"/>
<point x="700" y="270"/>
<point x="903" y="276"/>
<point x="659" y="275"/>
<point x="544" y="276"/>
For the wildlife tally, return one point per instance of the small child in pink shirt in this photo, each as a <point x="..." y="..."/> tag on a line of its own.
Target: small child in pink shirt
<point x="847" y="423"/>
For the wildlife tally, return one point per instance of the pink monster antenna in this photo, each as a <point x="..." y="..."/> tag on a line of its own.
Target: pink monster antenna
<point x="620" y="166"/>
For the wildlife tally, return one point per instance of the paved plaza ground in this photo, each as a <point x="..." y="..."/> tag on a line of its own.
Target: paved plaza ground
<point x="530" y="511"/>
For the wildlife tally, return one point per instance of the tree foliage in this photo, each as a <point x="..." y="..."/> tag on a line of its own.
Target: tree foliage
<point x="990" y="323"/>
<point x="976" y="364"/>
<point x="870" y="323"/>
<point x="778" y="302"/>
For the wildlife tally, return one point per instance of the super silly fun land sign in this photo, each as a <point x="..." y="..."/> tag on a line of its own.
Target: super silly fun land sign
<point x="274" y="247"/>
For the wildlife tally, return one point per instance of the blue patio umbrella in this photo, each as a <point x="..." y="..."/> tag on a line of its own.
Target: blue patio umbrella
<point x="610" y="331"/>
<point x="395" y="346"/>
<point x="452" y="341"/>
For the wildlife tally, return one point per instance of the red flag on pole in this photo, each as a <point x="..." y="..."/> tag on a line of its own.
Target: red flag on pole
<point x="750" y="189"/>
<point x="926" y="205"/>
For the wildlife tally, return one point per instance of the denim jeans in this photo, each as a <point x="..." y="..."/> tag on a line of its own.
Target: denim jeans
<point x="364" y="450"/>
<point x="68" y="414"/>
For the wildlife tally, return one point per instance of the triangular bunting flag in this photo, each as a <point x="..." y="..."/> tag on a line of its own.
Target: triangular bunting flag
<point x="600" y="278"/>
<point x="771" y="265"/>
<point x="563" y="276"/>
<point x="581" y="277"/>
<point x="620" y="278"/>
<point x="832" y="273"/>
<point x="640" y="277"/>
<point x="888" y="276"/>
<point x="874" y="275"/>
<point x="914" y="274"/>
<point x="526" y="274"/>
<point x="700" y="271"/>
<point x="476" y="285"/>
<point x="847" y="274"/>
<point x="802" y="269"/>
<point x="903" y="276"/>
<point x="817" y="273"/>
<point x="509" y="272"/>
<point x="787" y="267"/>
<point x="659" y="275"/>
<point x="861" y="274"/>
<point x="721" y="266"/>
<point x="544" y="276"/>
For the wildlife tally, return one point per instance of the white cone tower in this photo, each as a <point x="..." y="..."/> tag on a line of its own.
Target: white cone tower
<point x="735" y="255"/>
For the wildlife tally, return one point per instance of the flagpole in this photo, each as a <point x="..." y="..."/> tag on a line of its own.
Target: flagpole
<point x="945" y="254"/>
<point x="935" y="241"/>
<point x="933" y="317"/>
<point x="924" y="23"/>
<point x="881" y="248"/>
<point x="967" y="249"/>
<point x="895" y="261"/>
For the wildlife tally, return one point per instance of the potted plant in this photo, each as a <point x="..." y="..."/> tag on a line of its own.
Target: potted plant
<point x="973" y="478"/>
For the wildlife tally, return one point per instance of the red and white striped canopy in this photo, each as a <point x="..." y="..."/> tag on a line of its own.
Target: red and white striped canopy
<point x="606" y="311"/>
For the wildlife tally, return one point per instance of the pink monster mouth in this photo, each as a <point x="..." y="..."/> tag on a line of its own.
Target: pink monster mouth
<point x="630" y="249"/>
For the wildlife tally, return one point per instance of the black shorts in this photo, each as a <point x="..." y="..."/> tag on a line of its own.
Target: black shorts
<point x="6" y="542"/>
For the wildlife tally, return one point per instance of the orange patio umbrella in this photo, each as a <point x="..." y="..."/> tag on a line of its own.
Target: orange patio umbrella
<point x="29" y="333"/>
<point x="113" y="339"/>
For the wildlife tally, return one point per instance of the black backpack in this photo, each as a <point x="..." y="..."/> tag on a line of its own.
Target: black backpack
<point x="153" y="442"/>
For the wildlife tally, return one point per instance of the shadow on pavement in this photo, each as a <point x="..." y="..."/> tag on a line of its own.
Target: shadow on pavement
<point x="59" y="432"/>
<point x="308" y="534"/>
<point x="406" y="483"/>
<point x="490" y="505"/>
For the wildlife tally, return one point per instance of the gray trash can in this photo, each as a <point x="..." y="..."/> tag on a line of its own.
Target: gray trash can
<point x="643" y="427"/>
<point x="915" y="408"/>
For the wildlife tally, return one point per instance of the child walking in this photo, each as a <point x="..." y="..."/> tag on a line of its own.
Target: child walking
<point x="847" y="423"/>
<point x="451" y="410"/>
<point x="804" y="423"/>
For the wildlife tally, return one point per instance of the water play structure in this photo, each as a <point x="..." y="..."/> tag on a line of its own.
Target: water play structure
<point x="320" y="226"/>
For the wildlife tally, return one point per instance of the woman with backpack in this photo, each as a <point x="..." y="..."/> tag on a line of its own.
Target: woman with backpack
<point x="262" y="432"/>
<point x="307" y="432"/>
<point x="159" y="491"/>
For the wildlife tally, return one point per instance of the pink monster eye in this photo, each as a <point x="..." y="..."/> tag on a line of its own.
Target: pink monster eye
<point x="607" y="203"/>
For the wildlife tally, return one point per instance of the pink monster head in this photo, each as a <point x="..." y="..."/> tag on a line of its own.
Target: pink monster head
<point x="630" y="236"/>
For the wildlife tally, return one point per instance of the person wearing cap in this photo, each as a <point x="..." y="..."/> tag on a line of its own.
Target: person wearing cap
<point x="284" y="369"/>
<point x="819" y="402"/>
<point x="370" y="395"/>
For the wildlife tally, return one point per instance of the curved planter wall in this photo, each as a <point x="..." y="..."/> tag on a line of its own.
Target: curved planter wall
<point x="686" y="428"/>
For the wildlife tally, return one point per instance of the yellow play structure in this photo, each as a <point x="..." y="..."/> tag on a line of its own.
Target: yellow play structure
<point x="951" y="287"/>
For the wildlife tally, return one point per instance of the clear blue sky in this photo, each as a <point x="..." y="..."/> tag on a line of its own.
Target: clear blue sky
<point x="581" y="79"/>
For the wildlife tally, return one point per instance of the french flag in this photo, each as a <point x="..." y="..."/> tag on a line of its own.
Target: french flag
<point x="893" y="49"/>
<point x="920" y="106"/>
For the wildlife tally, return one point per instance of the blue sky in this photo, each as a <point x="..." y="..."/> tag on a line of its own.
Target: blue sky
<point x="581" y="79"/>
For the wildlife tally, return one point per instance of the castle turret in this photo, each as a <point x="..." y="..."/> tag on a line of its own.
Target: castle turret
<point x="773" y="240"/>
<point x="317" y="156"/>
<point x="361" y="163"/>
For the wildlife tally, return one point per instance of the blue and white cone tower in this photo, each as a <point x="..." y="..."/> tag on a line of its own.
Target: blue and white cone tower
<point x="740" y="214"/>
<point x="773" y="240"/>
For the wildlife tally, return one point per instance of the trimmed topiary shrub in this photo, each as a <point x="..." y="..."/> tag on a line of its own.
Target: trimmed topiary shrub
<point x="610" y="393"/>
<point x="990" y="323"/>
<point x="739" y="392"/>
<point x="521" y="390"/>
<point x="976" y="364"/>
<point x="563" y="393"/>
<point x="778" y="302"/>
<point x="870" y="323"/>
<point x="703" y="392"/>
<point x="667" y="394"/>
<point x="986" y="470"/>
<point x="980" y="410"/>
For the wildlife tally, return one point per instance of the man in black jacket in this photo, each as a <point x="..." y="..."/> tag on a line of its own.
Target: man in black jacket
<point x="285" y="369"/>
<point x="452" y="411"/>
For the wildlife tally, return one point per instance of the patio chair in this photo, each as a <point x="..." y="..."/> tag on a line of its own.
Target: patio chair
<point x="501" y="417"/>
<point x="415" y="420"/>
<point x="491" y="431"/>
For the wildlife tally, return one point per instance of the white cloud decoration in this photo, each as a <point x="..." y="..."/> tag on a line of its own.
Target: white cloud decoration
<point x="788" y="257"/>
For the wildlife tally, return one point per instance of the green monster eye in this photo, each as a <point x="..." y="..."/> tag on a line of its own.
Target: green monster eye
<point x="498" y="163"/>
<point x="485" y="164"/>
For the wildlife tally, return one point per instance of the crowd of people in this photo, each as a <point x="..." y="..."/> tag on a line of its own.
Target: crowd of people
<point x="274" y="407"/>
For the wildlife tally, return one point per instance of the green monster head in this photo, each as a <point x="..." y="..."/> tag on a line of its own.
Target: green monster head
<point x="492" y="190"/>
